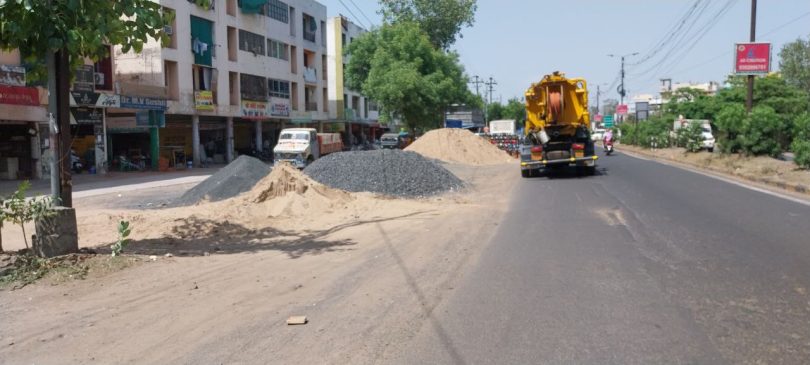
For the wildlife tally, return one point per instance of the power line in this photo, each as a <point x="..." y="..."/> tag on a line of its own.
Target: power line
<point x="352" y="13"/>
<point x="772" y="31"/>
<point x="362" y="12"/>
<point x="672" y="33"/>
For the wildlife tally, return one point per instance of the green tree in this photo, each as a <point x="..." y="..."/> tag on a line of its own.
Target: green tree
<point x="397" y="66"/>
<point x="729" y="122"/>
<point x="801" y="141"/>
<point x="495" y="111"/>
<point x="515" y="109"/>
<point x="794" y="62"/>
<point x="442" y="20"/>
<point x="82" y="28"/>
<point x="692" y="104"/>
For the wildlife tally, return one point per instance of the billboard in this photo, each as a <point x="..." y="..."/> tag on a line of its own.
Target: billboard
<point x="752" y="58"/>
<point x="621" y="109"/>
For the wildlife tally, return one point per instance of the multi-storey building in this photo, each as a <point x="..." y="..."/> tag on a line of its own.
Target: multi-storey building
<point x="353" y="114"/>
<point x="233" y="73"/>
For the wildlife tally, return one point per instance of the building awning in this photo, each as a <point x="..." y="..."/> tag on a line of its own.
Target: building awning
<point x="252" y="6"/>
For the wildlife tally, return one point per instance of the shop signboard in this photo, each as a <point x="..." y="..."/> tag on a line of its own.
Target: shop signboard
<point x="279" y="107"/>
<point x="108" y="101"/>
<point x="204" y="100"/>
<point x="137" y="102"/>
<point x="83" y="98"/>
<point x="87" y="115"/>
<point x="84" y="79"/>
<point x="254" y="109"/>
<point x="752" y="58"/>
<point x="621" y="109"/>
<point x="12" y="75"/>
<point x="150" y="118"/>
<point x="17" y="95"/>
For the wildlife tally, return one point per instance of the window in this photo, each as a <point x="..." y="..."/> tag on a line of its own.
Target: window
<point x="253" y="87"/>
<point x="202" y="40"/>
<point x="309" y="27"/>
<point x="278" y="49"/>
<point x="278" y="10"/>
<point x="251" y="42"/>
<point x="103" y="72"/>
<point x="279" y="88"/>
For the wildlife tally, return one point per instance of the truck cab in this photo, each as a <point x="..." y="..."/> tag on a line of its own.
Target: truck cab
<point x="298" y="146"/>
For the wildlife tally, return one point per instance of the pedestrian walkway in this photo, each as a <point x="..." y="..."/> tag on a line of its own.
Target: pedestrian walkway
<point x="85" y="185"/>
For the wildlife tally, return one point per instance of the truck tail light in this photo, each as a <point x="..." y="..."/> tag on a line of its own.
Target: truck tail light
<point x="578" y="146"/>
<point x="537" y="149"/>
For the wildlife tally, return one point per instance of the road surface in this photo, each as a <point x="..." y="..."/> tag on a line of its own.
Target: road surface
<point x="642" y="264"/>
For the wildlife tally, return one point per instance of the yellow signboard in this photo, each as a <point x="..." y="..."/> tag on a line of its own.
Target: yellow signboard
<point x="204" y="100"/>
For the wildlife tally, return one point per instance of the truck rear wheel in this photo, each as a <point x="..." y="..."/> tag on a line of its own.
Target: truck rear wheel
<point x="310" y="160"/>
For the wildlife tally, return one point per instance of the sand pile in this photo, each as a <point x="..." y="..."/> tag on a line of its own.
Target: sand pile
<point x="236" y="178"/>
<point x="458" y="146"/>
<point x="287" y="191"/>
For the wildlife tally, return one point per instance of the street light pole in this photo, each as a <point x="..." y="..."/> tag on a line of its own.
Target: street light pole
<point x="749" y="102"/>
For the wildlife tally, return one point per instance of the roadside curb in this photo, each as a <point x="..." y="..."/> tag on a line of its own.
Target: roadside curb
<point x="796" y="188"/>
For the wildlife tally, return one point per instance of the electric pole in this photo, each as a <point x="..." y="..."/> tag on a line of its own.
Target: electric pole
<point x="490" y="86"/>
<point x="477" y="81"/>
<point x="598" y="93"/>
<point x="749" y="102"/>
<point x="621" y="90"/>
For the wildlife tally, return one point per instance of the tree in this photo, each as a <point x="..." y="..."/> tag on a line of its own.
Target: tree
<point x="80" y="27"/>
<point x="442" y="20"/>
<point x="515" y="109"/>
<point x="397" y="66"/>
<point x="794" y="61"/>
<point x="495" y="111"/>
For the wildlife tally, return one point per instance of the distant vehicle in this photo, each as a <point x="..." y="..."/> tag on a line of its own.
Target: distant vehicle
<point x="706" y="131"/>
<point x="597" y="134"/>
<point x="390" y="141"/>
<point x="558" y="127"/>
<point x="502" y="127"/>
<point x="302" y="146"/>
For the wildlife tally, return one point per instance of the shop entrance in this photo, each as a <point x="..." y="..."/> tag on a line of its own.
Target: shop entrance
<point x="130" y="151"/>
<point x="15" y="152"/>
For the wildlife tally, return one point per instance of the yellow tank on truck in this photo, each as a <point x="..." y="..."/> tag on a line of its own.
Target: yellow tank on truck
<point x="558" y="126"/>
<point x="557" y="105"/>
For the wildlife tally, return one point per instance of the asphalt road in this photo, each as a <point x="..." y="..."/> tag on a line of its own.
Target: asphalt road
<point x="642" y="264"/>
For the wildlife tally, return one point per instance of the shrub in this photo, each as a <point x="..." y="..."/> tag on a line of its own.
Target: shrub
<point x="801" y="148"/>
<point x="730" y="122"/>
<point x="761" y="132"/>
<point x="690" y="137"/>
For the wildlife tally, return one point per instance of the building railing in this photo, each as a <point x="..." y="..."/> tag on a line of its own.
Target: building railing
<point x="311" y="106"/>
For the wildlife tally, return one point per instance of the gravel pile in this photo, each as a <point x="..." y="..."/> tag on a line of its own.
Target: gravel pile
<point x="388" y="172"/>
<point x="236" y="178"/>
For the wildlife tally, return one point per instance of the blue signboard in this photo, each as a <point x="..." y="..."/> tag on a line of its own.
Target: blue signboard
<point x="137" y="102"/>
<point x="453" y="123"/>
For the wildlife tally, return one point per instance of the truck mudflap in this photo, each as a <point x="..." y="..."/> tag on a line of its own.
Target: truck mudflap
<point x="581" y="161"/>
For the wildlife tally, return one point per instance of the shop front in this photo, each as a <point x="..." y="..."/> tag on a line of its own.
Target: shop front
<point x="20" y="138"/>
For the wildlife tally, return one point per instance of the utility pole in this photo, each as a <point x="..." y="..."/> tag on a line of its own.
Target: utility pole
<point x="598" y="93"/>
<point x="621" y="90"/>
<point x="490" y="86"/>
<point x="749" y="102"/>
<point x="477" y="81"/>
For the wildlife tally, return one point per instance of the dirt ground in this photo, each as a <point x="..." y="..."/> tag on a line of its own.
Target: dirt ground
<point x="367" y="273"/>
<point x="755" y="168"/>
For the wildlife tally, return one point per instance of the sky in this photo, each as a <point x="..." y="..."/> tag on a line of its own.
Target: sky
<point x="516" y="42"/>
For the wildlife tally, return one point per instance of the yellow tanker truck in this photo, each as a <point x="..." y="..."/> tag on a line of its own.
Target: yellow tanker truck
<point x="557" y="128"/>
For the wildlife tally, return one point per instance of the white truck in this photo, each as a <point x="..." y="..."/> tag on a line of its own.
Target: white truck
<point x="502" y="127"/>
<point x="302" y="146"/>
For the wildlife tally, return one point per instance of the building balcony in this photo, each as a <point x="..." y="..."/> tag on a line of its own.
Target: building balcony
<point x="311" y="106"/>
<point x="310" y="75"/>
<point x="351" y="115"/>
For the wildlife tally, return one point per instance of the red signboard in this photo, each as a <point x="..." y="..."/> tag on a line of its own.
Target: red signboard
<point x="597" y="118"/>
<point x="752" y="58"/>
<point x="18" y="95"/>
<point x="621" y="109"/>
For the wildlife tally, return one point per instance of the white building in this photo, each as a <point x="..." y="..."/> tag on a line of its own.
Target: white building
<point x="232" y="76"/>
<point x="351" y="112"/>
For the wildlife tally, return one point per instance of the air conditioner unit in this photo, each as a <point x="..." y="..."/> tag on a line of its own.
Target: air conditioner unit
<point x="99" y="78"/>
<point x="168" y="30"/>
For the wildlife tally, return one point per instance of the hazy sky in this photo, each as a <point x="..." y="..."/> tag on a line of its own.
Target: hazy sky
<point x="516" y="42"/>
